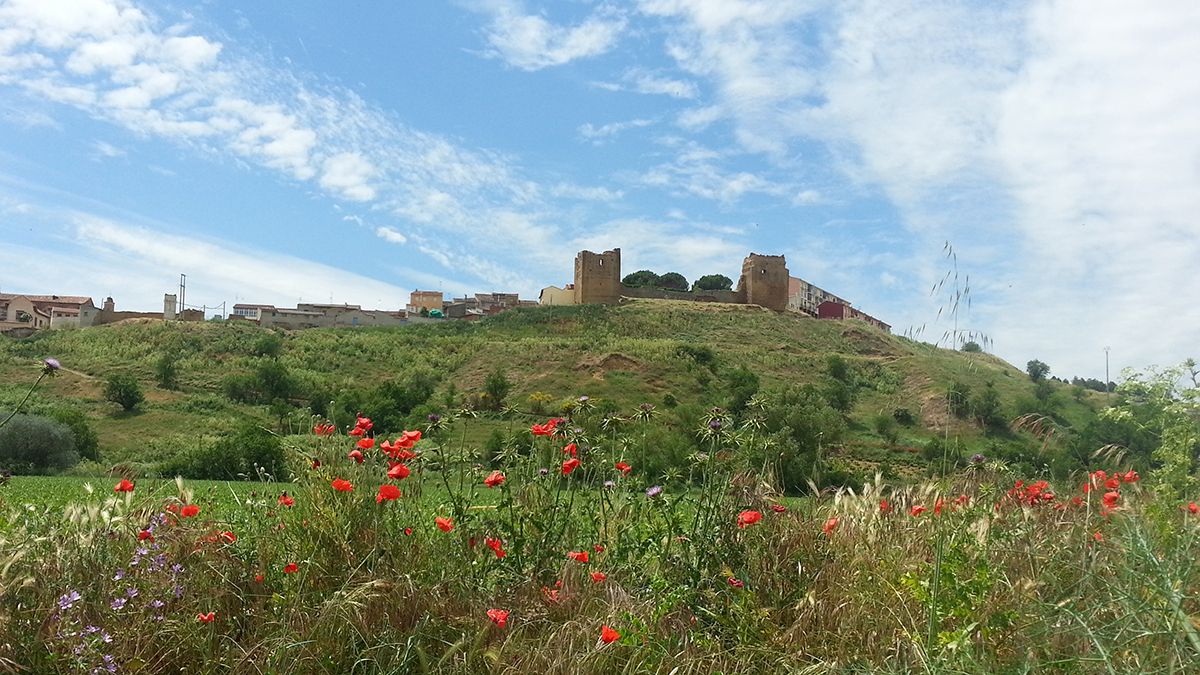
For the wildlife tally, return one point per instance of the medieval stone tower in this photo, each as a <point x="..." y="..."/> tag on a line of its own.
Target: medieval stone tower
<point x="598" y="277"/>
<point x="764" y="281"/>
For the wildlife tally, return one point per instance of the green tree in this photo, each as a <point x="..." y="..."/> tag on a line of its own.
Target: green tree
<point x="641" y="279"/>
<point x="1037" y="370"/>
<point x="673" y="281"/>
<point x="713" y="282"/>
<point x="497" y="386"/>
<point x="971" y="346"/>
<point x="124" y="390"/>
<point x="87" y="443"/>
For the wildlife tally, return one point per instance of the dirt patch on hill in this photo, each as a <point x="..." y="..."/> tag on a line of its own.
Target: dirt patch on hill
<point x="610" y="361"/>
<point x="868" y="342"/>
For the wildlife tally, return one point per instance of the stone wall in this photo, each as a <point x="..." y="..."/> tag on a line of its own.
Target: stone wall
<point x="764" y="281"/>
<point x="598" y="277"/>
<point x="696" y="296"/>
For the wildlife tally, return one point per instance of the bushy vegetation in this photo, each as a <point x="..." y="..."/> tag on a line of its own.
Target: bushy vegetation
<point x="124" y="390"/>
<point x="31" y="445"/>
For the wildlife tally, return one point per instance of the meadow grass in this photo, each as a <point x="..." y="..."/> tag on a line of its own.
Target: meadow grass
<point x="975" y="573"/>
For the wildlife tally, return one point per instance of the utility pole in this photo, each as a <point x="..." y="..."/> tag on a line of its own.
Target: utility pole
<point x="1106" y="380"/>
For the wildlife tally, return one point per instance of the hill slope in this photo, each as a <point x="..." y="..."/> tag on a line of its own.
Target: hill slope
<point x="678" y="356"/>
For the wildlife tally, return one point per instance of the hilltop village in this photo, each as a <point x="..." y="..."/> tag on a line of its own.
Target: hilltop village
<point x="764" y="281"/>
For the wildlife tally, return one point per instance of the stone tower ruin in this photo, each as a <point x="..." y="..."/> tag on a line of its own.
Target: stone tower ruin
<point x="764" y="281"/>
<point x="598" y="278"/>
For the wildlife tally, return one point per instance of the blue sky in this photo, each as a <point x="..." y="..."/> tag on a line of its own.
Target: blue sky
<point x="352" y="152"/>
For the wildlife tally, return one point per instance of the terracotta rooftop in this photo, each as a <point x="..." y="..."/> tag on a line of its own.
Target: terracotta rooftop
<point x="61" y="299"/>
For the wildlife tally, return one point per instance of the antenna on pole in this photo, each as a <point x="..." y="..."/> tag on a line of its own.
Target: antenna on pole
<point x="182" y="292"/>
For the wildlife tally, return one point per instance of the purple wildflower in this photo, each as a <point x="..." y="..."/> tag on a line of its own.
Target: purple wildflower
<point x="543" y="471"/>
<point x="654" y="491"/>
<point x="715" y="425"/>
<point x="68" y="600"/>
<point x="978" y="458"/>
<point x="131" y="592"/>
<point x="50" y="365"/>
<point x="119" y="575"/>
<point x="609" y="484"/>
<point x="434" y="418"/>
<point x="156" y="603"/>
<point x="118" y="603"/>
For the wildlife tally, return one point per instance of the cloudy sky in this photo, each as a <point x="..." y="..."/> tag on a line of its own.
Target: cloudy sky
<point x="351" y="152"/>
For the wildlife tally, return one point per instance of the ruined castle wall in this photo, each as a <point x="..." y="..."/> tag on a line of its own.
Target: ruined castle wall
<point x="765" y="281"/>
<point x="598" y="277"/>
<point x="694" y="296"/>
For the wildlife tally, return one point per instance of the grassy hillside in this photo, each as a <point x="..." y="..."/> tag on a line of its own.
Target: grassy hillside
<point x="678" y="356"/>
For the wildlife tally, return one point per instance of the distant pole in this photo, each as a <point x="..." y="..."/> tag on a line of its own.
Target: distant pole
<point x="1106" y="380"/>
<point x="182" y="292"/>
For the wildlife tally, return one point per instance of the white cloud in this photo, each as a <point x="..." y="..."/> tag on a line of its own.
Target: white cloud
<point x="104" y="149"/>
<point x="599" y="134"/>
<point x="585" y="193"/>
<point x="530" y="42"/>
<point x="136" y="265"/>
<point x="349" y="174"/>
<point x="390" y="235"/>
<point x="643" y="81"/>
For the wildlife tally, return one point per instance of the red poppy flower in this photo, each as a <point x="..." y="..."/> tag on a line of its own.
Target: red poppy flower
<point x="1098" y="537"/>
<point x="286" y="500"/>
<point x="608" y="635"/>
<point x="551" y="594"/>
<point x="444" y="524"/>
<point x="624" y="468"/>
<point x="1193" y="508"/>
<point x="144" y="535"/>
<point x="748" y="518"/>
<point x="342" y="485"/>
<point x="206" y="618"/>
<point x="598" y="548"/>
<point x="496" y="545"/>
<point x="189" y="511"/>
<point x="1076" y="501"/>
<point x="1131" y="476"/>
<point x="124" y="486"/>
<point x="778" y="508"/>
<point x="355" y="432"/>
<point x="409" y="438"/>
<point x="598" y="577"/>
<point x="398" y="471"/>
<point x="829" y="526"/>
<point x="363" y="423"/>
<point x="937" y="506"/>
<point x="884" y="506"/>
<point x="408" y="531"/>
<point x="291" y="568"/>
<point x="961" y="500"/>
<point x="494" y="479"/>
<point x="355" y="455"/>
<point x="578" y="556"/>
<point x="316" y="464"/>
<point x="1112" y="483"/>
<point x="546" y="429"/>
<point x="258" y="578"/>
<point x="365" y="443"/>
<point x="498" y="616"/>
<point x="736" y="583"/>
<point x="570" y="465"/>
<point x="917" y="510"/>
<point x="324" y="429"/>
<point x="1110" y="499"/>
<point x="388" y="492"/>
<point x="571" y="449"/>
<point x="228" y="537"/>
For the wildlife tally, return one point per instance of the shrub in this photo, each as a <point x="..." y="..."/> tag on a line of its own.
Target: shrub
<point x="244" y="455"/>
<point x="886" y="427"/>
<point x="166" y="371"/>
<point x="971" y="346"/>
<point x="700" y="354"/>
<point x="838" y="368"/>
<point x="87" y="444"/>
<point x="30" y="444"/>
<point x="124" y="390"/>
<point x="904" y="416"/>
<point x="269" y="345"/>
<point x="958" y="398"/>
<point x="987" y="408"/>
<point x="743" y="385"/>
